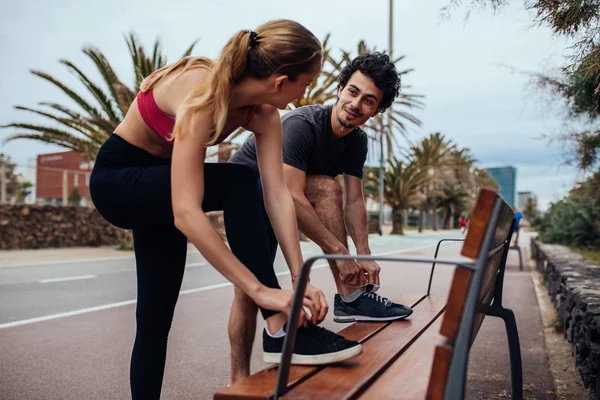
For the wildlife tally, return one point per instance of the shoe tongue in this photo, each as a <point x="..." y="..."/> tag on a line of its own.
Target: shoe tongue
<point x="371" y="288"/>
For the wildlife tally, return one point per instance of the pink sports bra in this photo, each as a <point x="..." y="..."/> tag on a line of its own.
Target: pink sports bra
<point x="162" y="123"/>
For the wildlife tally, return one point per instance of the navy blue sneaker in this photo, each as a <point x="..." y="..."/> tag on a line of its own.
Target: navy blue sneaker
<point x="314" y="346"/>
<point x="368" y="307"/>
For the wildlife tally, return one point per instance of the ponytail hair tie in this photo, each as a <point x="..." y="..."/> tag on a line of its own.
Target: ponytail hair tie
<point x="253" y="36"/>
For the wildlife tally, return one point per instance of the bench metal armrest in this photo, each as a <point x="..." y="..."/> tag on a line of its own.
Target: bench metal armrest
<point x="437" y="249"/>
<point x="292" y="324"/>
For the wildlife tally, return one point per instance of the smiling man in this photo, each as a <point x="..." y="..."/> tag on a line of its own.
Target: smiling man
<point x="320" y="143"/>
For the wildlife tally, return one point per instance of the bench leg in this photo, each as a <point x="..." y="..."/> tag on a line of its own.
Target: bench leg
<point x="514" y="348"/>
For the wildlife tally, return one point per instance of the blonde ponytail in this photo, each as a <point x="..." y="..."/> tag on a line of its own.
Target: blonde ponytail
<point x="280" y="46"/>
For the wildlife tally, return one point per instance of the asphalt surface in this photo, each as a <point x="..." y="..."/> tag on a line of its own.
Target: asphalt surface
<point x="66" y="329"/>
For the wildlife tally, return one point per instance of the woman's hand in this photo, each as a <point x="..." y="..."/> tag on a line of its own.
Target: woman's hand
<point x="318" y="298"/>
<point x="281" y="300"/>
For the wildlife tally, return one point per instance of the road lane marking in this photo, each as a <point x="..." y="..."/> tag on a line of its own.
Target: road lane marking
<point x="183" y="292"/>
<point x="68" y="278"/>
<point x="64" y="262"/>
<point x="78" y="261"/>
<point x="65" y="314"/>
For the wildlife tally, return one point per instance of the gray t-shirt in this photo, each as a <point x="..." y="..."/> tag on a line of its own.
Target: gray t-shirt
<point x="310" y="145"/>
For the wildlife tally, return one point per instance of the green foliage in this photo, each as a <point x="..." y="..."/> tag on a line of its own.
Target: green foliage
<point x="558" y="325"/>
<point x="531" y="211"/>
<point x="126" y="246"/>
<point x="572" y="221"/>
<point x="23" y="191"/>
<point x="17" y="189"/>
<point x="592" y="255"/>
<point x="402" y="188"/>
<point x="434" y="174"/>
<point x="74" y="197"/>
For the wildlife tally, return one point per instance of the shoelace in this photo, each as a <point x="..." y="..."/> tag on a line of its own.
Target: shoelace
<point x="377" y="297"/>
<point x="321" y="333"/>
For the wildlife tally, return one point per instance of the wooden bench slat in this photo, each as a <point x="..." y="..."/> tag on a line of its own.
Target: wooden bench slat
<point x="498" y="246"/>
<point x="456" y="300"/>
<point x="261" y="386"/>
<point x="437" y="381"/>
<point x="408" y="376"/>
<point x="344" y="380"/>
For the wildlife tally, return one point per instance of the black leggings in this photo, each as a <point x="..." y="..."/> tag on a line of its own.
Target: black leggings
<point x="132" y="190"/>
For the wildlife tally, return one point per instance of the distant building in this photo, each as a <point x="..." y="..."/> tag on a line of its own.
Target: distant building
<point x="506" y="177"/>
<point x="523" y="197"/>
<point x="58" y="174"/>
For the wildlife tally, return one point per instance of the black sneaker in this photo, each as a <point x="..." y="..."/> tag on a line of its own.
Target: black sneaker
<point x="314" y="346"/>
<point x="368" y="307"/>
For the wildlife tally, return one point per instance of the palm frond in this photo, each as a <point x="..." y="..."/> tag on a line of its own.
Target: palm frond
<point x="103" y="99"/>
<point x="75" y="124"/>
<point x="71" y="93"/>
<point x="108" y="74"/>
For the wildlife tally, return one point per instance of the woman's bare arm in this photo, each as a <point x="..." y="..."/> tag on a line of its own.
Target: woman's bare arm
<point x="187" y="191"/>
<point x="266" y="125"/>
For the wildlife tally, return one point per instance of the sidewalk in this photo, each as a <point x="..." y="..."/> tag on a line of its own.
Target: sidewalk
<point x="41" y="256"/>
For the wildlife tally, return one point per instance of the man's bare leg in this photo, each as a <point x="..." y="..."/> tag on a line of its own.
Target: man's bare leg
<point x="325" y="195"/>
<point x="242" y="327"/>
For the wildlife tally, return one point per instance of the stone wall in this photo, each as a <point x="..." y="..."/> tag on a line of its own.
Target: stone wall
<point x="36" y="227"/>
<point x="574" y="287"/>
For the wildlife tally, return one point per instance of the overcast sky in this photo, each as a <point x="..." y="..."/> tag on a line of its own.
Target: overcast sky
<point x="462" y="69"/>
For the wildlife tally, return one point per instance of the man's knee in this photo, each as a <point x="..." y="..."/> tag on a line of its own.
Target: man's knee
<point x="321" y="188"/>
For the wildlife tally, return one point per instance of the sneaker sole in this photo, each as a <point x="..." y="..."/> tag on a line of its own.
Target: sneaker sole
<point x="329" y="358"/>
<point x="365" y="318"/>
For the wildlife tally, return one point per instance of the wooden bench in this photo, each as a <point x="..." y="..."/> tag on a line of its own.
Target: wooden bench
<point x="423" y="357"/>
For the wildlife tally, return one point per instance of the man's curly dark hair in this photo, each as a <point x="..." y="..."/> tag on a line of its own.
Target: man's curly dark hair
<point x="381" y="69"/>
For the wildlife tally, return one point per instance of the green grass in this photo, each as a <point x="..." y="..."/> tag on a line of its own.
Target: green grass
<point x="125" y="246"/>
<point x="592" y="255"/>
<point x="558" y="325"/>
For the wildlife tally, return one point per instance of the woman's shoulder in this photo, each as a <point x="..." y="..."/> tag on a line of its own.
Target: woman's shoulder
<point x="264" y="118"/>
<point x="175" y="89"/>
<point x="187" y="80"/>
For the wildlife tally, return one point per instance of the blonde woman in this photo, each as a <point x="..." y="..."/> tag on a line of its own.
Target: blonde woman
<point x="150" y="176"/>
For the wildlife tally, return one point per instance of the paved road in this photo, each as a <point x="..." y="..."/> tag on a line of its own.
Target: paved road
<point x="42" y="290"/>
<point x="84" y="353"/>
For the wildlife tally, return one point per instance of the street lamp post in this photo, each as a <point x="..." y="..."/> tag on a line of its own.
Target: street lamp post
<point x="389" y="122"/>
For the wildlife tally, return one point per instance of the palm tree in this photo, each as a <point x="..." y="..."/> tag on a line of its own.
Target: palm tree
<point x="85" y="129"/>
<point x="453" y="203"/>
<point x="457" y="198"/>
<point x="402" y="183"/>
<point x="432" y="156"/>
